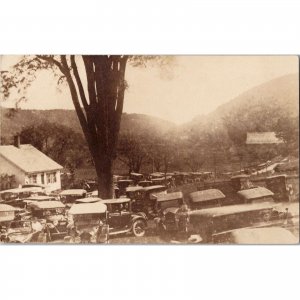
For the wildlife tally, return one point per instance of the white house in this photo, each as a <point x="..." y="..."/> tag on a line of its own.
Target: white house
<point x="30" y="166"/>
<point x="259" y="138"/>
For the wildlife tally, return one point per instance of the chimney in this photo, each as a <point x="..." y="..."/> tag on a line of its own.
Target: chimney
<point x="17" y="142"/>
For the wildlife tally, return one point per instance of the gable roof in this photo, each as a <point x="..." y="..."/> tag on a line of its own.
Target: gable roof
<point x="28" y="158"/>
<point x="262" y="138"/>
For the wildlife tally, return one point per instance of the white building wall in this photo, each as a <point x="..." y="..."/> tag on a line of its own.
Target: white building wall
<point x="7" y="167"/>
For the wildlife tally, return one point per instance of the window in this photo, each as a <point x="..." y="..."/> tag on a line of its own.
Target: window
<point x="51" y="177"/>
<point x="43" y="178"/>
<point x="32" y="178"/>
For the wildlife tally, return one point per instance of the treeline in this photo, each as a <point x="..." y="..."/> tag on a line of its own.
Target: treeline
<point x="215" y="144"/>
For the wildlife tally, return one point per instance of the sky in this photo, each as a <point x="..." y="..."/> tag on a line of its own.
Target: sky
<point x="189" y="86"/>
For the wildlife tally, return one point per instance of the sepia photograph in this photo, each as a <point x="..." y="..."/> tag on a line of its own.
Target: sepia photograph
<point x="149" y="149"/>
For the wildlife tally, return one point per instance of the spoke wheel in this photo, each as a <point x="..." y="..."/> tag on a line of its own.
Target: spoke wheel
<point x="139" y="228"/>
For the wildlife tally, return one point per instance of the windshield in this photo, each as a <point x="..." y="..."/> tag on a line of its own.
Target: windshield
<point x="166" y="204"/>
<point x="53" y="212"/>
<point x="118" y="207"/>
<point x="20" y="225"/>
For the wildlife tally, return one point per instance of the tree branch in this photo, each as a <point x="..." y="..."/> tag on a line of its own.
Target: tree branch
<point x="79" y="83"/>
<point x="50" y="59"/>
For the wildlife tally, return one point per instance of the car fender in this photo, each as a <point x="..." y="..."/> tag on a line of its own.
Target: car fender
<point x="139" y="217"/>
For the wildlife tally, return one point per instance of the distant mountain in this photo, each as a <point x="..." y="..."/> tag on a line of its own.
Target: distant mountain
<point x="258" y="107"/>
<point x="12" y="121"/>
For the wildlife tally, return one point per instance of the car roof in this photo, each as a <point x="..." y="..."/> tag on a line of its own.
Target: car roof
<point x="134" y="188"/>
<point x="161" y="178"/>
<point x="19" y="190"/>
<point x="255" y="193"/>
<point x="169" y="196"/>
<point x="277" y="176"/>
<point x="268" y="235"/>
<point x="240" y="176"/>
<point x="136" y="174"/>
<point x="88" y="208"/>
<point x="88" y="200"/>
<point x="6" y="207"/>
<point x="154" y="187"/>
<point x="125" y="180"/>
<point x="206" y="195"/>
<point x="73" y="192"/>
<point x="39" y="198"/>
<point x="48" y="204"/>
<point x="231" y="209"/>
<point x="117" y="200"/>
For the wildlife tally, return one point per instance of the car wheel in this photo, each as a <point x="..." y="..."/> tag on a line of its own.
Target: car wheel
<point x="139" y="228"/>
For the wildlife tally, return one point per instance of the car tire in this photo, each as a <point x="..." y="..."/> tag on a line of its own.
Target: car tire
<point x="139" y="228"/>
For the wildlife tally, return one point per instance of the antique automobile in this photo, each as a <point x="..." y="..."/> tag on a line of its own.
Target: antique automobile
<point x="35" y="199"/>
<point x="278" y="185"/>
<point x="136" y="177"/>
<point x="90" y="185"/>
<point x="168" y="200"/>
<point x="7" y="215"/>
<point x="255" y="236"/>
<point x="241" y="182"/>
<point x="95" y="222"/>
<point x="95" y="192"/>
<point x="123" y="184"/>
<point x="121" y="218"/>
<point x="68" y="197"/>
<point x="256" y="195"/>
<point x="15" y="197"/>
<point x="157" y="175"/>
<point x="211" y="221"/>
<point x="167" y="211"/>
<point x="135" y="193"/>
<point x="144" y="183"/>
<point x="88" y="223"/>
<point x="22" y="231"/>
<point x="52" y="215"/>
<point x="149" y="198"/>
<point x="206" y="198"/>
<point x="162" y="181"/>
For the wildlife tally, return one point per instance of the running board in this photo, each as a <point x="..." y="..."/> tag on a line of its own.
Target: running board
<point x="119" y="232"/>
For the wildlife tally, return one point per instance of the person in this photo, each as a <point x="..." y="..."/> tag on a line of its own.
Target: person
<point x="290" y="192"/>
<point x="183" y="218"/>
<point x="102" y="233"/>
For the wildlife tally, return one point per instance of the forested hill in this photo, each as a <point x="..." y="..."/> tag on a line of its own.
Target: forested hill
<point x="257" y="109"/>
<point x="13" y="121"/>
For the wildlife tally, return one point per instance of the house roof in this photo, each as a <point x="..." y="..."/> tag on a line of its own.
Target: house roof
<point x="28" y="158"/>
<point x="262" y="138"/>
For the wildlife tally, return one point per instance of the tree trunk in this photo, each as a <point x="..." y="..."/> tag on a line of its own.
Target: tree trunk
<point x="105" y="178"/>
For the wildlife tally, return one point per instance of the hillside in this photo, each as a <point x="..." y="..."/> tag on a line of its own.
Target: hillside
<point x="256" y="109"/>
<point x="255" y="106"/>
<point x="12" y="122"/>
